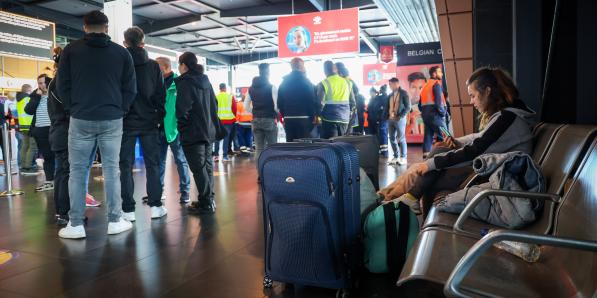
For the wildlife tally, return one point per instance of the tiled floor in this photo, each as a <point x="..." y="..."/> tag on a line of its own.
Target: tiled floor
<point x="179" y="255"/>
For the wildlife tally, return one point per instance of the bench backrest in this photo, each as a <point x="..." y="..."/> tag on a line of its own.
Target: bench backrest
<point x="543" y="135"/>
<point x="558" y="164"/>
<point x="577" y="218"/>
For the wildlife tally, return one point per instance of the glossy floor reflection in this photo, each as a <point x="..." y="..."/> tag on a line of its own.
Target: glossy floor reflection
<point x="179" y="255"/>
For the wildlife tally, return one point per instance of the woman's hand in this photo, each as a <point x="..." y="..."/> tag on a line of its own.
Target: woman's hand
<point x="452" y="143"/>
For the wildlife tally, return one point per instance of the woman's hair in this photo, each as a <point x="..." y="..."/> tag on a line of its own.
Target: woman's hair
<point x="190" y="60"/>
<point x="502" y="93"/>
<point x="56" y="52"/>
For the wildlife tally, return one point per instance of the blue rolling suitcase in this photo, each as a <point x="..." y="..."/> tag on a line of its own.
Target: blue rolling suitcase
<point x="311" y="203"/>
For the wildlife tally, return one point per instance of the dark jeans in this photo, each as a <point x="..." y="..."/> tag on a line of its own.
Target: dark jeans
<point x="332" y="129"/>
<point x="432" y="127"/>
<point x="449" y="180"/>
<point x="382" y="136"/>
<point x="245" y="135"/>
<point x="297" y="128"/>
<point x="42" y="138"/>
<point x="226" y="142"/>
<point x="150" y="143"/>
<point x="233" y="143"/>
<point x="61" y="197"/>
<point x="201" y="165"/>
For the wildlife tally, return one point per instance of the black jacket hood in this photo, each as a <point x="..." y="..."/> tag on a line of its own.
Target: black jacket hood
<point x="197" y="78"/>
<point x="139" y="55"/>
<point x="259" y="82"/>
<point x="97" y="40"/>
<point x="21" y="95"/>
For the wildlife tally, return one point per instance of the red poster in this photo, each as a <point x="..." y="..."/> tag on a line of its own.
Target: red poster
<point x="378" y="74"/>
<point x="319" y="33"/>
<point x="387" y="53"/>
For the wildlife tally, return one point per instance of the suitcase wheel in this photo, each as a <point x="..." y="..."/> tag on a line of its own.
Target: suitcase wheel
<point x="343" y="293"/>
<point x="267" y="282"/>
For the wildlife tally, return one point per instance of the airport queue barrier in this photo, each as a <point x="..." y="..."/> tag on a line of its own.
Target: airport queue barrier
<point x="567" y="155"/>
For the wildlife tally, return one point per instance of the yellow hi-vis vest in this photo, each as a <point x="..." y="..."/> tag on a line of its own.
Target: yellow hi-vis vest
<point x="337" y="99"/>
<point x="225" y="106"/>
<point x="24" y="118"/>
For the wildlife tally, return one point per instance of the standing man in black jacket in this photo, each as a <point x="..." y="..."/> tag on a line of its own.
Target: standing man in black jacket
<point x="197" y="115"/>
<point x="143" y="121"/>
<point x="297" y="102"/>
<point x="97" y="85"/>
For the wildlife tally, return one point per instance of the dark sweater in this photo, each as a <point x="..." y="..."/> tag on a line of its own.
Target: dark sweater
<point x="296" y="96"/>
<point x="96" y="78"/>
<point x="147" y="111"/>
<point x="59" y="119"/>
<point x="196" y="109"/>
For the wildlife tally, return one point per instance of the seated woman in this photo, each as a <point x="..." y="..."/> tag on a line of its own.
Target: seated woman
<point x="506" y="124"/>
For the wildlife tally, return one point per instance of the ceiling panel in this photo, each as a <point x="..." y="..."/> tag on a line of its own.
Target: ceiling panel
<point x="218" y="47"/>
<point x="181" y="37"/>
<point x="232" y="4"/>
<point x="141" y="2"/>
<point x="269" y="26"/>
<point x="382" y="31"/>
<point x="370" y="14"/>
<point x="159" y="12"/>
<point x="70" y="7"/>
<point x="193" y="6"/>
<point x="221" y="32"/>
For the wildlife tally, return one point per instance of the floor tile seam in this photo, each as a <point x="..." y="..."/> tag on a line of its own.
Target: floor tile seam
<point x="221" y="260"/>
<point x="16" y="293"/>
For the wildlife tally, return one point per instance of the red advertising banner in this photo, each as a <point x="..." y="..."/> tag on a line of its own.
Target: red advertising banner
<point x="378" y="74"/>
<point x="319" y="33"/>
<point x="387" y="53"/>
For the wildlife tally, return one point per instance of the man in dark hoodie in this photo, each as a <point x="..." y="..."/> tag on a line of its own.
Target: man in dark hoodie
<point x="197" y="115"/>
<point x="143" y="121"/>
<point x="97" y="84"/>
<point x="262" y="100"/>
<point x="297" y="102"/>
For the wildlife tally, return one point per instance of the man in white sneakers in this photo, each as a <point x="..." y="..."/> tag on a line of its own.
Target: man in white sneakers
<point x="97" y="84"/>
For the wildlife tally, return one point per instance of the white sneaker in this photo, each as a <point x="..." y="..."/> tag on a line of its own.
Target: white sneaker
<point x="119" y="226"/>
<point x="70" y="232"/>
<point x="129" y="216"/>
<point x="157" y="212"/>
<point x="402" y="161"/>
<point x="393" y="161"/>
<point x="163" y="196"/>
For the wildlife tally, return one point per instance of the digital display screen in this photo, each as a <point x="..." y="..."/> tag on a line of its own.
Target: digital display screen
<point x="26" y="37"/>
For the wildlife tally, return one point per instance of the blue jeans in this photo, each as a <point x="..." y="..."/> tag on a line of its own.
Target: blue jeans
<point x="397" y="130"/>
<point x="382" y="136"/>
<point x="226" y="141"/>
<point x="234" y="138"/>
<point x="83" y="138"/>
<point x="265" y="131"/>
<point x="181" y="163"/>
<point x="245" y="135"/>
<point x="432" y="127"/>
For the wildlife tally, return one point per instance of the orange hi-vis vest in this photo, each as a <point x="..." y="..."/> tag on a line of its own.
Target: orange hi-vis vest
<point x="243" y="115"/>
<point x="427" y="93"/>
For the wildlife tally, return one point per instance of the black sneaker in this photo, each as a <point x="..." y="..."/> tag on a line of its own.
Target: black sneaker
<point x="209" y="208"/>
<point x="145" y="199"/>
<point x="184" y="198"/>
<point x="62" y="220"/>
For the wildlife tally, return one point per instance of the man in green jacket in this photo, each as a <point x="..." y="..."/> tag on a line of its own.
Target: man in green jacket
<point x="169" y="134"/>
